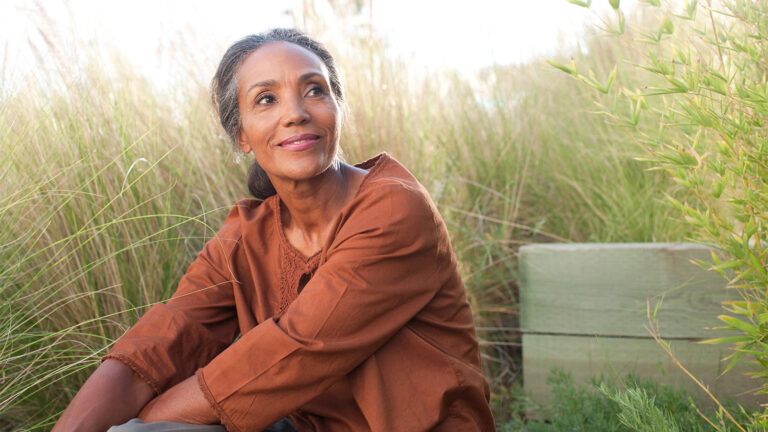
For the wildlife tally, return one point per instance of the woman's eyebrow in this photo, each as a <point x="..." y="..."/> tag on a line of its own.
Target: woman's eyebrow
<point x="309" y="75"/>
<point x="265" y="83"/>
<point x="270" y="82"/>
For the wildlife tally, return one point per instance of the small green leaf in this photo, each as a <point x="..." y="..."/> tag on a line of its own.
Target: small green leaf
<point x="682" y="57"/>
<point x="666" y="28"/>
<point x="690" y="9"/>
<point x="567" y="69"/>
<point x="622" y="22"/>
<point x="656" y="307"/>
<point x="756" y="264"/>
<point x="726" y="340"/>
<point x="715" y="83"/>
<point x="614" y="4"/>
<point x="582" y="3"/>
<point x="734" y="360"/>
<point x="611" y="78"/>
<point x="717" y="189"/>
<point x="679" y="85"/>
<point x="739" y="307"/>
<point x="738" y="324"/>
<point x="726" y="265"/>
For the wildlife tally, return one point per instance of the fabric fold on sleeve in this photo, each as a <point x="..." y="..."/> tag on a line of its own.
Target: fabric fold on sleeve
<point x="381" y="273"/>
<point x="165" y="347"/>
<point x="171" y="341"/>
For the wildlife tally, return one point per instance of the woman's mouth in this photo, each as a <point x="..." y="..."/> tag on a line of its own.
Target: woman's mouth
<point x="299" y="142"/>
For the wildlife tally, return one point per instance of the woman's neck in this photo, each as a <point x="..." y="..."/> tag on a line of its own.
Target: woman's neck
<point x="310" y="204"/>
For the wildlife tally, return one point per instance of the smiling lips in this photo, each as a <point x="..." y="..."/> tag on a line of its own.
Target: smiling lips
<point x="299" y="142"/>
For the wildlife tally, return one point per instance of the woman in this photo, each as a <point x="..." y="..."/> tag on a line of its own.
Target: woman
<point x="339" y="280"/>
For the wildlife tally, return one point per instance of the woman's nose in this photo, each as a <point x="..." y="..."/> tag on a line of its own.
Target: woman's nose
<point x="295" y="113"/>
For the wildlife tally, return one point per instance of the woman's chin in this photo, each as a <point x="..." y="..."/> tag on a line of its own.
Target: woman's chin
<point x="305" y="165"/>
<point x="306" y="170"/>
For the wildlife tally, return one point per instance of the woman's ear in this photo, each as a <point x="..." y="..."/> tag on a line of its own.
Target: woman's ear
<point x="243" y="143"/>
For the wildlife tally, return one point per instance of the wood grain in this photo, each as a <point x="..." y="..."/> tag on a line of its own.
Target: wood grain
<point x="587" y="357"/>
<point x="602" y="289"/>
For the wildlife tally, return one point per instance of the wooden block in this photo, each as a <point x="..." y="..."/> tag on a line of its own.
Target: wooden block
<point x="601" y="289"/>
<point x="587" y="357"/>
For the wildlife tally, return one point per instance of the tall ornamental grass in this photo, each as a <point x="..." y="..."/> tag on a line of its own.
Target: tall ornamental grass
<point x="707" y="68"/>
<point x="110" y="185"/>
<point x="108" y="192"/>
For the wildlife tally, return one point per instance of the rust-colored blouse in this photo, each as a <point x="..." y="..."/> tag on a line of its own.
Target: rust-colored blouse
<point x="373" y="332"/>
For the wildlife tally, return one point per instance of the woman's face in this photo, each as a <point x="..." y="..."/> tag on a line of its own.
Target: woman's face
<point x="289" y="116"/>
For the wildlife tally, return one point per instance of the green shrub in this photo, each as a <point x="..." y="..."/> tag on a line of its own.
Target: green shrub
<point x="631" y="405"/>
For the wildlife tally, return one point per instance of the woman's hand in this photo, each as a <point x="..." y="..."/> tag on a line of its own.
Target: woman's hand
<point x="183" y="402"/>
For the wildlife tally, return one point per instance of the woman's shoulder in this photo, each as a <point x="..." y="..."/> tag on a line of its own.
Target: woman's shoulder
<point x="245" y="217"/>
<point x="393" y="211"/>
<point x="391" y="196"/>
<point x="384" y="168"/>
<point x="390" y="181"/>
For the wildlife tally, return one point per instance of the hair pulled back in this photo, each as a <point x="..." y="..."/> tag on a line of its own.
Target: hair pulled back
<point x="224" y="90"/>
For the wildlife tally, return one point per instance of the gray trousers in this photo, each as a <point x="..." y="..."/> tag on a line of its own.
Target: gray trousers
<point x="136" y="425"/>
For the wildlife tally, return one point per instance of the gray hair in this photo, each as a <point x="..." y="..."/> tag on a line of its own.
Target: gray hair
<point x="224" y="90"/>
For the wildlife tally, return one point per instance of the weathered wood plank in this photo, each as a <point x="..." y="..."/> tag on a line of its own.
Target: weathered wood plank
<point x="601" y="289"/>
<point x="587" y="357"/>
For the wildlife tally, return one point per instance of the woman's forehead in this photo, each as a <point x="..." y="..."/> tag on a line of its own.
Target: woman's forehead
<point x="278" y="61"/>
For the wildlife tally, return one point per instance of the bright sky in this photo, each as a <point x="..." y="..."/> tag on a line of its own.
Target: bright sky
<point x="465" y="35"/>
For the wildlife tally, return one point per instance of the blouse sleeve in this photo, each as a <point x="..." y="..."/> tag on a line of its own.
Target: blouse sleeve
<point x="383" y="270"/>
<point x="173" y="340"/>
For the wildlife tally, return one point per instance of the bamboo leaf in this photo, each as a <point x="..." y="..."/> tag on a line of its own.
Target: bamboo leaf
<point x="726" y="340"/>
<point x="742" y="308"/>
<point x="738" y="324"/>
<point x="733" y="361"/>
<point x="567" y="69"/>
<point x="582" y="3"/>
<point x="727" y="265"/>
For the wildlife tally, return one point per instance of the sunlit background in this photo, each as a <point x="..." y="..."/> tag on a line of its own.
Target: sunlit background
<point x="461" y="35"/>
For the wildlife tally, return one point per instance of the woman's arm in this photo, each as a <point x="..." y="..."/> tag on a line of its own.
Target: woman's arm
<point x="112" y="395"/>
<point x="172" y="340"/>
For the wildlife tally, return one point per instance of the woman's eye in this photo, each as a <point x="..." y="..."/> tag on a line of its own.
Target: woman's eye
<point x="315" y="90"/>
<point x="265" y="99"/>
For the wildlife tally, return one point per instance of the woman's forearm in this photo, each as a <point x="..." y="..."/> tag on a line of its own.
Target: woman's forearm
<point x="112" y="395"/>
